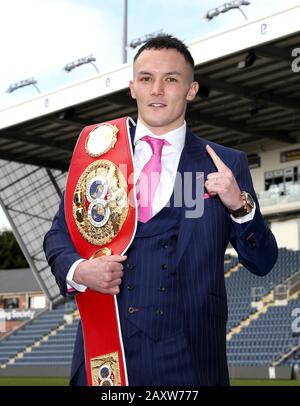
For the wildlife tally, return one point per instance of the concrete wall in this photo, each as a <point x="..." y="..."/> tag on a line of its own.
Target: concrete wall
<point x="287" y="233"/>
<point x="260" y="372"/>
<point x="35" y="371"/>
<point x="270" y="161"/>
<point x="234" y="372"/>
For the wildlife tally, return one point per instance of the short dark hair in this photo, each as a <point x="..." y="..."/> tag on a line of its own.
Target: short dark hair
<point x="167" y="41"/>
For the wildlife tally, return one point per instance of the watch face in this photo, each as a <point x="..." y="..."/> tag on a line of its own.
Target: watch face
<point x="249" y="200"/>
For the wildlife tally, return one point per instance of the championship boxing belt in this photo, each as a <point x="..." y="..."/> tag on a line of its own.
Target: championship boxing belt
<point x="100" y="209"/>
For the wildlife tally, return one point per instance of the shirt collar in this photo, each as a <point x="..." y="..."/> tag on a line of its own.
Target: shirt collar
<point x="175" y="137"/>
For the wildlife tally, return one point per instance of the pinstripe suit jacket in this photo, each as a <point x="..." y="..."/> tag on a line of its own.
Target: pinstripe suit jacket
<point x="200" y="261"/>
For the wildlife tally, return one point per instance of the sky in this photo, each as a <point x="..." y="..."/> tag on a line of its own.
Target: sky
<point x="39" y="37"/>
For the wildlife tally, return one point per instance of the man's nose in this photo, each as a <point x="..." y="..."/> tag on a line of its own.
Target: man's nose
<point x="157" y="87"/>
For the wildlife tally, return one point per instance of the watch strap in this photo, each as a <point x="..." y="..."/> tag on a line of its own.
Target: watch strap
<point x="243" y="210"/>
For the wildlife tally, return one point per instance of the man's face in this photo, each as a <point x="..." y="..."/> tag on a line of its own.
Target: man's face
<point x="162" y="86"/>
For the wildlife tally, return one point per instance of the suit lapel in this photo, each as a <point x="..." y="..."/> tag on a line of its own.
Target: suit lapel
<point x="132" y="134"/>
<point x="194" y="159"/>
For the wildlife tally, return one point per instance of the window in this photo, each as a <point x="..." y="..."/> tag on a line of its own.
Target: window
<point x="11" y="303"/>
<point x="37" y="302"/>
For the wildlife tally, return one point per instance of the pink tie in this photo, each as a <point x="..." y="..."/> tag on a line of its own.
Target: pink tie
<point x="148" y="180"/>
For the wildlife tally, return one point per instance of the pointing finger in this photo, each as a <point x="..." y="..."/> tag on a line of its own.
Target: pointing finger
<point x="216" y="159"/>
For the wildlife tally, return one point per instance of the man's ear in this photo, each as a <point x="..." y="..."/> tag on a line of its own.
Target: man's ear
<point x="193" y="90"/>
<point x="131" y="87"/>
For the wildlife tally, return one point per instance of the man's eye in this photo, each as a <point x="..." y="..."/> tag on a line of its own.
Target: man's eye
<point x="170" y="79"/>
<point x="145" y="79"/>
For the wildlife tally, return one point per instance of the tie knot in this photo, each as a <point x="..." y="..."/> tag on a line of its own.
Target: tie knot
<point x="156" y="144"/>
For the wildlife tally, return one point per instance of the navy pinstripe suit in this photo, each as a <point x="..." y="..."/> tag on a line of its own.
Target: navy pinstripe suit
<point x="172" y="303"/>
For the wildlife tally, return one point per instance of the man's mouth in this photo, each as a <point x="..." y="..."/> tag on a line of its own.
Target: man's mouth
<point x="157" y="105"/>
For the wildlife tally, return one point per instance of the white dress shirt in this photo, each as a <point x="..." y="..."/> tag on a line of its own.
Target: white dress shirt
<point x="169" y="159"/>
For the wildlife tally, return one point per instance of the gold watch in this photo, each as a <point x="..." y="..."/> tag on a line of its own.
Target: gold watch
<point x="248" y="205"/>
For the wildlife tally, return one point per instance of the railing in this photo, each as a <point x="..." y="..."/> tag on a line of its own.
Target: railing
<point x="275" y="201"/>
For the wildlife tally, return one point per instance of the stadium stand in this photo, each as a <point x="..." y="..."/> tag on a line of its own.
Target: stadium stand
<point x="229" y="264"/>
<point x="47" y="340"/>
<point x="295" y="359"/>
<point x="56" y="350"/>
<point x="266" y="339"/>
<point x="243" y="287"/>
<point x="255" y="338"/>
<point x="266" y="336"/>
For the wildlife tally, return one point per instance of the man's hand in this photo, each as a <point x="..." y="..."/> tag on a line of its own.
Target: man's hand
<point x="223" y="183"/>
<point x="102" y="274"/>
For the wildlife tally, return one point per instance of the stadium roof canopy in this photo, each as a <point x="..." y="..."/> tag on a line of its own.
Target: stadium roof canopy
<point x="247" y="108"/>
<point x="18" y="280"/>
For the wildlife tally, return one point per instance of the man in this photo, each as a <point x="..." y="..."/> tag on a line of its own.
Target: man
<point x="170" y="285"/>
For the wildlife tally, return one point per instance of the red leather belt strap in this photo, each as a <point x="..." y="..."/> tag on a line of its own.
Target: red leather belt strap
<point x="100" y="211"/>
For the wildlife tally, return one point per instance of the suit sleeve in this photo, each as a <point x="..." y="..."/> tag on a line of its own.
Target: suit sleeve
<point x="254" y="242"/>
<point x="59" y="249"/>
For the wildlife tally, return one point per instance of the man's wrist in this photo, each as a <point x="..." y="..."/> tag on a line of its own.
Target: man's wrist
<point x="71" y="283"/>
<point x="77" y="276"/>
<point x="246" y="206"/>
<point x="246" y="218"/>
